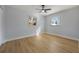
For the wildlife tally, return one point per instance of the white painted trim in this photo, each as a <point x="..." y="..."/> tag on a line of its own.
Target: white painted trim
<point x="16" y="38"/>
<point x="72" y="38"/>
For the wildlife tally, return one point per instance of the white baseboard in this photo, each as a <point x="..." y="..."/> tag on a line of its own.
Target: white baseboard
<point x="17" y="38"/>
<point x="68" y="37"/>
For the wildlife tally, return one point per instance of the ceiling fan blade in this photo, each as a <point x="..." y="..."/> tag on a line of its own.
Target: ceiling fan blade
<point x="48" y="9"/>
<point x="45" y="11"/>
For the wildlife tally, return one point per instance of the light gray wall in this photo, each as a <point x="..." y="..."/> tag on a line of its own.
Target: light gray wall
<point x="16" y="23"/>
<point x="69" y="23"/>
<point x="1" y="35"/>
<point x="2" y="25"/>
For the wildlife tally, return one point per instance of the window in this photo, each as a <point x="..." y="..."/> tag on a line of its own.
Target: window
<point x="55" y="20"/>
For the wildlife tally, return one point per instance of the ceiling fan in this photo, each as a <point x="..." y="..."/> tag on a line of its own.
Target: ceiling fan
<point x="43" y="9"/>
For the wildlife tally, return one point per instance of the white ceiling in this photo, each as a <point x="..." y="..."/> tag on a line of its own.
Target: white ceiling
<point x="32" y="8"/>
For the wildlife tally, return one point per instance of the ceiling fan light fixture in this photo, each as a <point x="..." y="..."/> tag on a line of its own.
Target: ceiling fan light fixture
<point x="42" y="11"/>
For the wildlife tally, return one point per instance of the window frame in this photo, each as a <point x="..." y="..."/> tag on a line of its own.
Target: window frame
<point x="54" y="20"/>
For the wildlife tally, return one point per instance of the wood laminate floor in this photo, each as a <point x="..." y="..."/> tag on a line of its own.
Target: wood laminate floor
<point x="44" y="43"/>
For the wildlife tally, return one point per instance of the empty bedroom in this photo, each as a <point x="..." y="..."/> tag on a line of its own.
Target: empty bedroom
<point x="39" y="29"/>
